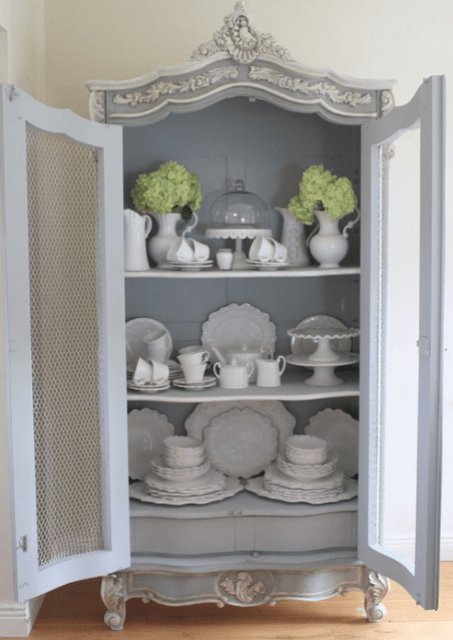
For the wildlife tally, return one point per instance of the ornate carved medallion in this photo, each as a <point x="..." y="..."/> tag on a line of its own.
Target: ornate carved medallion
<point x="245" y="587"/>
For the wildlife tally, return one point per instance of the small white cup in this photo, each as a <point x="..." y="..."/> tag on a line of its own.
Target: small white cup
<point x="280" y="251"/>
<point x="194" y="357"/>
<point x="160" y="371"/>
<point x="156" y="345"/>
<point x="261" y="250"/>
<point x="224" y="259"/>
<point x="193" y="373"/>
<point x="180" y="251"/>
<point x="200" y="250"/>
<point x="191" y="348"/>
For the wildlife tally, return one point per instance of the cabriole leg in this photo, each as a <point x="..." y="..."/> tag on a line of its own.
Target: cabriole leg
<point x="113" y="597"/>
<point x="378" y="587"/>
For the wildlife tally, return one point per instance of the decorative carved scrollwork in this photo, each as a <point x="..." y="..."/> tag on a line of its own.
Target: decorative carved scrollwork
<point x="240" y="40"/>
<point x="243" y="588"/>
<point x="113" y="597"/>
<point x="388" y="151"/>
<point x="311" y="89"/>
<point x="159" y="89"/>
<point x="387" y="101"/>
<point x="97" y="106"/>
<point x="377" y="590"/>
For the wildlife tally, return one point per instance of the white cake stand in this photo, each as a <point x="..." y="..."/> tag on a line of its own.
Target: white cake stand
<point x="324" y="360"/>
<point x="238" y="234"/>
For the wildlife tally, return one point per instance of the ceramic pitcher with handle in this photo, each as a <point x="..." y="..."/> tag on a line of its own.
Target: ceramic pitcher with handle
<point x="136" y="229"/>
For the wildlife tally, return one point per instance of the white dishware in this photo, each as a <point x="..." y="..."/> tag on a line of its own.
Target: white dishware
<point x="306" y="449"/>
<point x="149" y="388"/>
<point x="224" y="259"/>
<point x="306" y="471"/>
<point x="206" y="383"/>
<point x="136" y="329"/>
<point x="188" y="250"/>
<point x="261" y="249"/>
<point x="281" y="419"/>
<point x="323" y="337"/>
<point x="175" y="474"/>
<point x="192" y="266"/>
<point x="333" y="483"/>
<point x="183" y="451"/>
<point x="212" y="480"/>
<point x="341" y="431"/>
<point x="280" y="252"/>
<point x="268" y="266"/>
<point x="323" y="371"/>
<point x="161" y="371"/>
<point x="269" y="372"/>
<point x="307" y="346"/>
<point x="256" y="486"/>
<point x="241" y="442"/>
<point x="200" y="251"/>
<point x="190" y="348"/>
<point x="193" y="373"/>
<point x="136" y="229"/>
<point x="156" y="344"/>
<point x="140" y="491"/>
<point x="228" y="328"/>
<point x="143" y="374"/>
<point x="153" y="423"/>
<point x="249" y="354"/>
<point x="140" y="446"/>
<point x="198" y="356"/>
<point x="234" y="375"/>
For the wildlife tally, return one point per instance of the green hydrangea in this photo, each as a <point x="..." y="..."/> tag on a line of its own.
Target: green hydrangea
<point x="320" y="189"/>
<point x="167" y="190"/>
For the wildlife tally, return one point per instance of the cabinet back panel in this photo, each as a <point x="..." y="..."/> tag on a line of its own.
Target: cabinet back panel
<point x="266" y="146"/>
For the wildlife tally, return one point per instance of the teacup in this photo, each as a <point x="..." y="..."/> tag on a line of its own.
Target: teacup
<point x="280" y="251"/>
<point x="193" y="373"/>
<point x="180" y="251"/>
<point x="261" y="250"/>
<point x="160" y="371"/>
<point x="191" y="348"/>
<point x="224" y="259"/>
<point x="200" y="356"/>
<point x="200" y="250"/>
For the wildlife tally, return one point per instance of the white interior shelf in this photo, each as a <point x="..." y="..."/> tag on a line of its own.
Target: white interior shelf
<point x="307" y="272"/>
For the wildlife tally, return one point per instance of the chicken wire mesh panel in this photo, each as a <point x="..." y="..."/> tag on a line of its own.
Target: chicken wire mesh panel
<point x="63" y="230"/>
<point x="399" y="331"/>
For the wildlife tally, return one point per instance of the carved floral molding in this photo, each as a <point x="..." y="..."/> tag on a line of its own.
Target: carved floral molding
<point x="240" y="40"/>
<point x="311" y="89"/>
<point x="193" y="83"/>
<point x="244" y="589"/>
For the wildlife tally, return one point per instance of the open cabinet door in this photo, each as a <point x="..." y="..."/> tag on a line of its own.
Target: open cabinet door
<point x="403" y="169"/>
<point x="61" y="198"/>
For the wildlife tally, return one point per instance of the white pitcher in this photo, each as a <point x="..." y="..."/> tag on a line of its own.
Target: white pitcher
<point x="136" y="229"/>
<point x="270" y="371"/>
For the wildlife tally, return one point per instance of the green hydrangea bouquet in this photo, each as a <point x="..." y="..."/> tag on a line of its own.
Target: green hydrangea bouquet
<point x="170" y="189"/>
<point x="320" y="189"/>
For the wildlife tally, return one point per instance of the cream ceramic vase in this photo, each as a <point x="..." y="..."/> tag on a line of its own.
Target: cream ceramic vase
<point x="328" y="246"/>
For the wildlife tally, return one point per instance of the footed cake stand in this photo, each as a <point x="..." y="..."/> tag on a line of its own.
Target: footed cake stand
<point x="324" y="360"/>
<point x="238" y="234"/>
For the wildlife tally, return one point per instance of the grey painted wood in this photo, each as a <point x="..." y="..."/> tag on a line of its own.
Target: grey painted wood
<point x="426" y="109"/>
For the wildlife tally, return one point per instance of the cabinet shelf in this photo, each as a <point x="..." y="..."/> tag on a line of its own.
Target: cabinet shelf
<point x="303" y="272"/>
<point x="292" y="389"/>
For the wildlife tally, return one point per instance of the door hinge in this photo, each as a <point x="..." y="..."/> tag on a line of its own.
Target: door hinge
<point x="23" y="543"/>
<point x="424" y="345"/>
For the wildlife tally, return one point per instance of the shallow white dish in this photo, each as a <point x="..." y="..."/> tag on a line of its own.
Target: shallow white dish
<point x="307" y="346"/>
<point x="341" y="431"/>
<point x="281" y="419"/>
<point x="274" y="476"/>
<point x="149" y="388"/>
<point x="241" y="442"/>
<point x="138" y="490"/>
<point x="153" y="423"/>
<point x="268" y="266"/>
<point x="192" y="266"/>
<point x="210" y="481"/>
<point x="256" y="486"/>
<point x="228" y="328"/>
<point x="136" y="330"/>
<point x="206" y="383"/>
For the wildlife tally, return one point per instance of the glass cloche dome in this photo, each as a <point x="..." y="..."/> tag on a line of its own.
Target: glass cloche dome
<point x="239" y="209"/>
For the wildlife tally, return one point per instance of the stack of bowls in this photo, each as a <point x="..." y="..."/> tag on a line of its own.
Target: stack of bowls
<point x="183" y="452"/>
<point x="306" y="450"/>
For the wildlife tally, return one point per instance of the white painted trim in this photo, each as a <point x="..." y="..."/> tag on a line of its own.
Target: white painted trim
<point x="405" y="545"/>
<point x="17" y="619"/>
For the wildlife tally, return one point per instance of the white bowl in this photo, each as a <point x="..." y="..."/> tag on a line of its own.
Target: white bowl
<point x="177" y="474"/>
<point x="301" y="449"/>
<point x="183" y="451"/>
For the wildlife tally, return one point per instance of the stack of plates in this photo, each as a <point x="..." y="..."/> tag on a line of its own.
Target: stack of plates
<point x="308" y="471"/>
<point x="209" y="487"/>
<point x="152" y="387"/>
<point x="306" y="490"/>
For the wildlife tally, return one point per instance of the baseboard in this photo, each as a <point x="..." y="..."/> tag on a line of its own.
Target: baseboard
<point x="405" y="546"/>
<point x="16" y="620"/>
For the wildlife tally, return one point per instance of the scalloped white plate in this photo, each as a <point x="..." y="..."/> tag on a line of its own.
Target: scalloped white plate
<point x="275" y="410"/>
<point x="138" y="490"/>
<point x="136" y="329"/>
<point x="230" y="327"/>
<point x="241" y="442"/>
<point x="256" y="486"/>
<point x="144" y="426"/>
<point x="342" y="432"/>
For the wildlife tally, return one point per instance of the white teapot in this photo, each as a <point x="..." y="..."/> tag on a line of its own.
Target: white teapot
<point x="233" y="375"/>
<point x="249" y="354"/>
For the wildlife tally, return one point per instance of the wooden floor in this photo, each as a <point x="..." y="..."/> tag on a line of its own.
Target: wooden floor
<point x="76" y="611"/>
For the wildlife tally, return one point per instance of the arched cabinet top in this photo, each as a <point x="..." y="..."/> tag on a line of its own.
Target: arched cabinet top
<point x="239" y="61"/>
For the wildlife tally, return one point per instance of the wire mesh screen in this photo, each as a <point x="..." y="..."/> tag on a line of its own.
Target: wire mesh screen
<point x="63" y="232"/>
